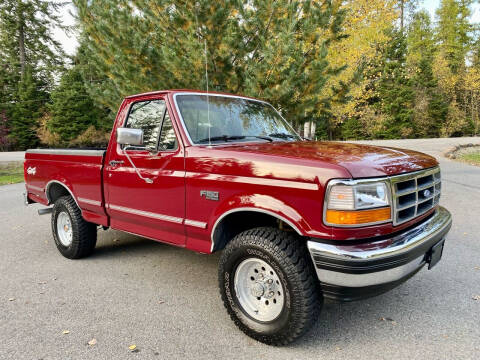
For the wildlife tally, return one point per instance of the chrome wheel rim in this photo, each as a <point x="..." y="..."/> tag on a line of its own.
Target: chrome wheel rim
<point x="259" y="290"/>
<point x="64" y="229"/>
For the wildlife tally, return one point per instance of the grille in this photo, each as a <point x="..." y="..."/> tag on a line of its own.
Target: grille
<point x="414" y="194"/>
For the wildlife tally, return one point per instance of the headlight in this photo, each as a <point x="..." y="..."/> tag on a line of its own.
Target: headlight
<point x="354" y="203"/>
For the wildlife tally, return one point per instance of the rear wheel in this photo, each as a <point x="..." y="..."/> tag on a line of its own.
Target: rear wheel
<point x="74" y="237"/>
<point x="269" y="286"/>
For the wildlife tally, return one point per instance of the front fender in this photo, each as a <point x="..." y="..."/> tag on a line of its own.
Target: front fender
<point x="260" y="203"/>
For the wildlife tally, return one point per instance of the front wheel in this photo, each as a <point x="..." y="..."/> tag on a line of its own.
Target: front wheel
<point x="74" y="237"/>
<point x="269" y="286"/>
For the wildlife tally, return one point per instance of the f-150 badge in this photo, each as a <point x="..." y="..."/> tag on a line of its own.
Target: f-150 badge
<point x="209" y="195"/>
<point x="31" y="170"/>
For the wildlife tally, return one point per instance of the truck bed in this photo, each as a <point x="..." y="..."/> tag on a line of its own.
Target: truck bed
<point x="74" y="171"/>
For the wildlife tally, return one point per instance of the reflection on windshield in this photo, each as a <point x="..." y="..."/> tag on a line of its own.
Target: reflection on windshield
<point x="231" y="119"/>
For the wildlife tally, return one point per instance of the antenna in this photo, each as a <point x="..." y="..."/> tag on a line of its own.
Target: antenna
<point x="208" y="101"/>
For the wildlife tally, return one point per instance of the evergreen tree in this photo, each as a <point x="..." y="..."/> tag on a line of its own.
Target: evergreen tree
<point x="395" y="89"/>
<point x="454" y="31"/>
<point x="72" y="109"/>
<point x="276" y="50"/>
<point x="430" y="108"/>
<point x="28" y="107"/>
<point x="29" y="60"/>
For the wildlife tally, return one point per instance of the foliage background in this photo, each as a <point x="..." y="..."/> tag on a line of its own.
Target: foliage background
<point x="359" y="69"/>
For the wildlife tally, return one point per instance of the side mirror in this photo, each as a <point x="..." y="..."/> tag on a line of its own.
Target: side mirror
<point x="126" y="136"/>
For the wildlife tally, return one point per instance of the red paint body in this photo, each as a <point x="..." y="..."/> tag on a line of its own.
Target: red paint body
<point x="286" y="179"/>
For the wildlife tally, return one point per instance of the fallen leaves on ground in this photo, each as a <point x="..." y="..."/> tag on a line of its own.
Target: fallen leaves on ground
<point x="388" y="319"/>
<point x="92" y="342"/>
<point x="133" y="348"/>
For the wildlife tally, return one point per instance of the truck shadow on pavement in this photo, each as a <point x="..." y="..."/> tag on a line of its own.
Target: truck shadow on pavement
<point x="383" y="317"/>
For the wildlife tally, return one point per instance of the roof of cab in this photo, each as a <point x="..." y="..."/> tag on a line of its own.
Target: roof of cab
<point x="176" y="91"/>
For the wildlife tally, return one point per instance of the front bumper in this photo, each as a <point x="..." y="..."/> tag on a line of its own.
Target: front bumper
<point x="363" y="269"/>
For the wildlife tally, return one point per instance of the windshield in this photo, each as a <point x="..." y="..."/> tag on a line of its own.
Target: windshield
<point x="231" y="119"/>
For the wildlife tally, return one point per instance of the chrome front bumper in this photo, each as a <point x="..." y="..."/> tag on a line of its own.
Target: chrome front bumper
<point x="355" y="271"/>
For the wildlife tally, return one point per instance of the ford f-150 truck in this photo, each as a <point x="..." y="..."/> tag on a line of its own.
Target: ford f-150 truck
<point x="297" y="221"/>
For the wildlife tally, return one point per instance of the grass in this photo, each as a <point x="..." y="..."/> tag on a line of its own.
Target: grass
<point x="472" y="158"/>
<point x="11" y="173"/>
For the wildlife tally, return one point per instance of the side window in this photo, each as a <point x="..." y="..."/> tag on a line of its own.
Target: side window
<point x="167" y="140"/>
<point x="147" y="115"/>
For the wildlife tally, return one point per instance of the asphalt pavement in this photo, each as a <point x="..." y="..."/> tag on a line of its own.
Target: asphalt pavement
<point x="165" y="300"/>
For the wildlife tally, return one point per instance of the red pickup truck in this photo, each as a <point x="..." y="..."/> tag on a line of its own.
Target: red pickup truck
<point x="297" y="221"/>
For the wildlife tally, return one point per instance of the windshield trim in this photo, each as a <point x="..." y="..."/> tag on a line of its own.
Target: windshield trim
<point x="229" y="96"/>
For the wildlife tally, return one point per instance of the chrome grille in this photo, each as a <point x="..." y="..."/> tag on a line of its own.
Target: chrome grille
<point x="414" y="194"/>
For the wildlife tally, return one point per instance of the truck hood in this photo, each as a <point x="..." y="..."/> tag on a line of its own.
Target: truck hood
<point x="359" y="160"/>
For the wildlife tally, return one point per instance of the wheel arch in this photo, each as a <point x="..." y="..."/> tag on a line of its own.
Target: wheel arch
<point x="55" y="189"/>
<point x="227" y="225"/>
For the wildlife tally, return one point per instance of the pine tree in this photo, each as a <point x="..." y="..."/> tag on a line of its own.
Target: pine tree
<point x="28" y="107"/>
<point x="454" y="31"/>
<point x="30" y="58"/>
<point x="395" y="90"/>
<point x="72" y="109"/>
<point x="276" y="50"/>
<point x="430" y="108"/>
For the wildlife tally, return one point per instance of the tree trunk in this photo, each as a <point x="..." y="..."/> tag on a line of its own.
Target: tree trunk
<point x="21" y="42"/>
<point x="402" y="10"/>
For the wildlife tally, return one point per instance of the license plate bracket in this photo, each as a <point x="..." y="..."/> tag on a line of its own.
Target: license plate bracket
<point x="435" y="254"/>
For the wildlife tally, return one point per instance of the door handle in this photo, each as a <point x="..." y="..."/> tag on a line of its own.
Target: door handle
<point x="115" y="162"/>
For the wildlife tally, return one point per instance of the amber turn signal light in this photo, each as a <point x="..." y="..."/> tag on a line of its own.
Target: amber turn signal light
<point x="357" y="217"/>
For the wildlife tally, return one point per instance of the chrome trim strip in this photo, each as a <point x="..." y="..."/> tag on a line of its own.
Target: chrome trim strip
<point x="148" y="214"/>
<point x="90" y="202"/>
<point x="194" y="223"/>
<point x="396" y="245"/>
<point x="36" y="188"/>
<point x="184" y="127"/>
<point x="271" y="213"/>
<point x="66" y="152"/>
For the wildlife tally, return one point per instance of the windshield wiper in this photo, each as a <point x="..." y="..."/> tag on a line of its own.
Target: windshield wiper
<point x="233" y="137"/>
<point x="282" y="136"/>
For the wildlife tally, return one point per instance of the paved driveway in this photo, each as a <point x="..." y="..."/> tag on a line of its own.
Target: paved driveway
<point x="12" y="156"/>
<point x="165" y="300"/>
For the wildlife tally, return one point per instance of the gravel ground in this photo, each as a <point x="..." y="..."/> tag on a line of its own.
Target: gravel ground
<point x="165" y="300"/>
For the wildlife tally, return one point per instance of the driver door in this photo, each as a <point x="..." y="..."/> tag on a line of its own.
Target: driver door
<point x="155" y="210"/>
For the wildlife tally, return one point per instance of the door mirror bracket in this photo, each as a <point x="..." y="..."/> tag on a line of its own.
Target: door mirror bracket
<point x="131" y="138"/>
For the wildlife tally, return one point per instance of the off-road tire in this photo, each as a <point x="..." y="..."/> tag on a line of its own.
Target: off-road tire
<point x="84" y="234"/>
<point x="288" y="255"/>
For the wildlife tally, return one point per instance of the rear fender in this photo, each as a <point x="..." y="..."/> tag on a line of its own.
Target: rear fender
<point x="51" y="198"/>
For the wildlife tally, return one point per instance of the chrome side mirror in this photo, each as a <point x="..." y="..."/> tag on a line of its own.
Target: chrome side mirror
<point x="126" y="136"/>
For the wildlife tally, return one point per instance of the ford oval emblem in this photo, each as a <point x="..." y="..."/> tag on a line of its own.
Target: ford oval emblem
<point x="426" y="193"/>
